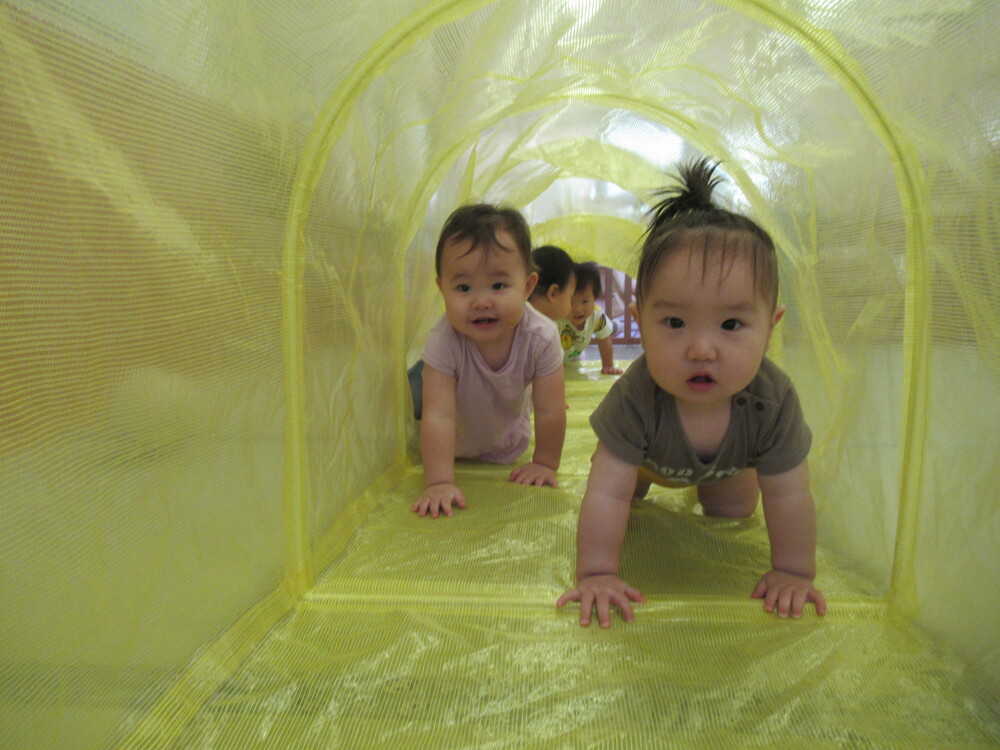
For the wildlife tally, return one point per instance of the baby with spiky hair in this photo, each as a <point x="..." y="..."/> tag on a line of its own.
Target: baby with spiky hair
<point x="702" y="406"/>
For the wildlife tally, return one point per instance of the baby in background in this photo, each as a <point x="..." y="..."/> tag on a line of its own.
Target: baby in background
<point x="586" y="321"/>
<point x="553" y="293"/>
<point x="702" y="406"/>
<point x="489" y="360"/>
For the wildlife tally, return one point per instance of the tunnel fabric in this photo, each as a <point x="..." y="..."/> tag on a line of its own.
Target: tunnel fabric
<point x="455" y="640"/>
<point x="217" y="223"/>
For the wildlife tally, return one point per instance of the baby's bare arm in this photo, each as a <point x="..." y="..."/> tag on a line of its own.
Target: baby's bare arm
<point x="600" y="531"/>
<point x="437" y="446"/>
<point x="791" y="520"/>
<point x="607" y="350"/>
<point x="548" y="399"/>
<point x="790" y="515"/>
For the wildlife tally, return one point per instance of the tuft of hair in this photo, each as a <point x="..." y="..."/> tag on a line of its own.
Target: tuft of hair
<point x="688" y="218"/>
<point x="694" y="193"/>
<point x="554" y="266"/>
<point x="482" y="223"/>
<point x="588" y="276"/>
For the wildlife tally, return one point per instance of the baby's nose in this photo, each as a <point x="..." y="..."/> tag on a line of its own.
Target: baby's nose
<point x="701" y="348"/>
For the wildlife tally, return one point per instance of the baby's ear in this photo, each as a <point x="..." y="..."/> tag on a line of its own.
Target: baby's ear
<point x="779" y="313"/>
<point x="529" y="284"/>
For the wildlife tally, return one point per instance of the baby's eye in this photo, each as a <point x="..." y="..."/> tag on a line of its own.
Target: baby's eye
<point x="498" y="285"/>
<point x="674" y="323"/>
<point x="731" y="325"/>
<point x="463" y="288"/>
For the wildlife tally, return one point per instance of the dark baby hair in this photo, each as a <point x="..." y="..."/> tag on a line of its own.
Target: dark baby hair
<point x="687" y="218"/>
<point x="554" y="266"/>
<point x="482" y="222"/>
<point x="588" y="277"/>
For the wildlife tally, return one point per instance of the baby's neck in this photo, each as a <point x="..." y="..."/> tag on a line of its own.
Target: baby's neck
<point x="497" y="353"/>
<point x="705" y="426"/>
<point x="542" y="306"/>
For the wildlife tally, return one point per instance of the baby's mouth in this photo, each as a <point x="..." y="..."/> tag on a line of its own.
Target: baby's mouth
<point x="701" y="382"/>
<point x="483" y="321"/>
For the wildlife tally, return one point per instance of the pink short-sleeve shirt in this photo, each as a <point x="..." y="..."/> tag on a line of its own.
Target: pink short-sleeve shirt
<point x="493" y="407"/>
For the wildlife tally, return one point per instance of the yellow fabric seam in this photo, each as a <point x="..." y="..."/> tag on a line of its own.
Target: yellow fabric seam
<point x="704" y="607"/>
<point x="214" y="666"/>
<point x="333" y="542"/>
<point x="296" y="501"/>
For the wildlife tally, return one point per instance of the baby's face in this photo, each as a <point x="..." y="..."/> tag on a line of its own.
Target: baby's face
<point x="484" y="291"/>
<point x="582" y="307"/>
<point x="704" y="332"/>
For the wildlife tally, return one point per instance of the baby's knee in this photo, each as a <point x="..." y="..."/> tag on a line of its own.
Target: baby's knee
<point x="735" y="497"/>
<point x="729" y="510"/>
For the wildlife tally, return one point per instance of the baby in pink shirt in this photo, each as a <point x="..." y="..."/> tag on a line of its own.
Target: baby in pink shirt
<point x="489" y="361"/>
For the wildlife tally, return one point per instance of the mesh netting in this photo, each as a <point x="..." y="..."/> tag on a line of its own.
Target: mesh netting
<point x="217" y="222"/>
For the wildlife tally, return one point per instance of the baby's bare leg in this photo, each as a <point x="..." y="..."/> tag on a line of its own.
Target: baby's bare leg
<point x="735" y="497"/>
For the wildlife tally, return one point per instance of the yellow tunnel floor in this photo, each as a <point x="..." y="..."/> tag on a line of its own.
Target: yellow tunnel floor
<point x="444" y="634"/>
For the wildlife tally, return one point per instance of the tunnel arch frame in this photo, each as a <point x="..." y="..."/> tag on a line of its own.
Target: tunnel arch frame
<point x="830" y="55"/>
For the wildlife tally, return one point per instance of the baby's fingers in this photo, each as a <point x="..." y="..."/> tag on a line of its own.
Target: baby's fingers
<point x="519" y="476"/>
<point x="634" y="594"/>
<point x="435" y="506"/>
<point x="529" y="479"/>
<point x="787" y="596"/>
<point x="586" y="608"/>
<point x="522" y="475"/>
<point x="587" y="600"/>
<point x="573" y="595"/>
<point x="546" y="479"/>
<point x="818" y="600"/>
<point x="799" y="598"/>
<point x="624" y="603"/>
<point x="446" y="502"/>
<point x="604" y="610"/>
<point x="771" y="598"/>
<point x="791" y="602"/>
<point x="624" y="607"/>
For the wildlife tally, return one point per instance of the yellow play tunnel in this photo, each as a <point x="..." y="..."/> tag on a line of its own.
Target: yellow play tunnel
<point x="217" y="224"/>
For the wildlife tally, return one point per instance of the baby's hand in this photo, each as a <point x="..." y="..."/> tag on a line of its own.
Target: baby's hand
<point x="788" y="593"/>
<point x="534" y="474"/>
<point x="602" y="591"/>
<point x="611" y="370"/>
<point x="438" y="498"/>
